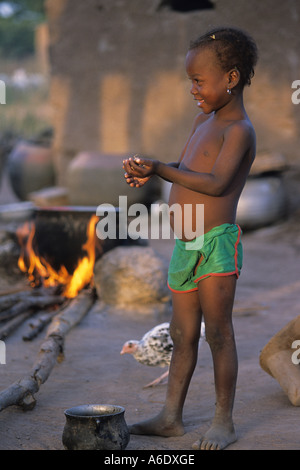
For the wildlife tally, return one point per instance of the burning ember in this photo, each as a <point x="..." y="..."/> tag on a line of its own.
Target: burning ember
<point x="40" y="271"/>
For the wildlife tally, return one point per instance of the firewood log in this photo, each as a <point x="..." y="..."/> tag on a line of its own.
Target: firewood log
<point x="22" y="392"/>
<point x="9" y="299"/>
<point x="13" y="324"/>
<point x="31" y="302"/>
<point x="38" y="323"/>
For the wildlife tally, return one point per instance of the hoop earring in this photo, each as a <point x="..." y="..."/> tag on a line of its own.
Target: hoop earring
<point x="228" y="91"/>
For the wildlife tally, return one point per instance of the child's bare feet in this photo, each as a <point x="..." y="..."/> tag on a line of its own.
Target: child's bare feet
<point x="158" y="426"/>
<point x="218" y="437"/>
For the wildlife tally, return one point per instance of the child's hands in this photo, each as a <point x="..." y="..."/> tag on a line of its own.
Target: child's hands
<point x="135" y="182"/>
<point x="138" y="171"/>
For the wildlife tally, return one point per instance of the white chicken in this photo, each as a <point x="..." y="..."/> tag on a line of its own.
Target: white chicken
<point x="155" y="349"/>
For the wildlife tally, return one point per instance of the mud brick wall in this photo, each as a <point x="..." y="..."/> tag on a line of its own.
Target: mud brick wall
<point x="118" y="82"/>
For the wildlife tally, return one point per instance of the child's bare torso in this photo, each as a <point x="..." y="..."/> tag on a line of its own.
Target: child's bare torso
<point x="200" y="156"/>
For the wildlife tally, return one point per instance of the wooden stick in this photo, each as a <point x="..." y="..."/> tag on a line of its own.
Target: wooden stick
<point x="8" y="300"/>
<point x="22" y="392"/>
<point x="14" y="290"/>
<point x="11" y="325"/>
<point x="30" y="303"/>
<point x="39" y="322"/>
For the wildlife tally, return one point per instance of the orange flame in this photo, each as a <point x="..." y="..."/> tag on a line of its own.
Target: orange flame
<point x="39" y="270"/>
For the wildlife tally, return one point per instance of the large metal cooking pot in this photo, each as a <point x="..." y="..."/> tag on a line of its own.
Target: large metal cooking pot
<point x="262" y="202"/>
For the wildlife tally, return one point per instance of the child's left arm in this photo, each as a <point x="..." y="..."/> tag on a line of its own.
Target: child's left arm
<point x="239" y="139"/>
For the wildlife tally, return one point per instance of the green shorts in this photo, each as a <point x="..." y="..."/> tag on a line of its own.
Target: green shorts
<point x="222" y="253"/>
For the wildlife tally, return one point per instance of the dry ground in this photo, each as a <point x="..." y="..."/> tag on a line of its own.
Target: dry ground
<point x="94" y="372"/>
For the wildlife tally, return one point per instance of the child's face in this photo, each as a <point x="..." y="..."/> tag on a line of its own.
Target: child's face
<point x="209" y="81"/>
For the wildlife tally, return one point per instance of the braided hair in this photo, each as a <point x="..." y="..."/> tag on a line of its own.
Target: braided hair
<point x="234" y="48"/>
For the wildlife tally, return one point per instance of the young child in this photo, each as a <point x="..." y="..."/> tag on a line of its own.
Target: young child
<point x="211" y="170"/>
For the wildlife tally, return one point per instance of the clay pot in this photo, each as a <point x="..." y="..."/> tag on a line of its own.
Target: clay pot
<point x="95" y="178"/>
<point x="95" y="427"/>
<point x="30" y="168"/>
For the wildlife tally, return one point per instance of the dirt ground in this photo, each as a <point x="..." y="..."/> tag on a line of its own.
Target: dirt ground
<point x="94" y="372"/>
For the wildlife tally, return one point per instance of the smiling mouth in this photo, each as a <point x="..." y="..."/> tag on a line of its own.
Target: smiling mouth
<point x="199" y="102"/>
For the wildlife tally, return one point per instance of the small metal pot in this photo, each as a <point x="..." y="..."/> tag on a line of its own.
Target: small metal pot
<point x="95" y="427"/>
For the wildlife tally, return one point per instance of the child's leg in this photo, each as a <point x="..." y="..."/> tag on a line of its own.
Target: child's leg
<point x="185" y="332"/>
<point x="216" y="298"/>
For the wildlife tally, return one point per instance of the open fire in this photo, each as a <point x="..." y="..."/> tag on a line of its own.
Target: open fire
<point x="40" y="271"/>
